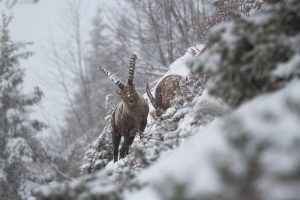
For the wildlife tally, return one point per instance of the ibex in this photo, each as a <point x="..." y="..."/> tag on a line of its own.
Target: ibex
<point x="166" y="90"/>
<point x="130" y="116"/>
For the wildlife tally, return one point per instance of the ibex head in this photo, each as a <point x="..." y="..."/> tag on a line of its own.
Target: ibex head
<point x="127" y="92"/>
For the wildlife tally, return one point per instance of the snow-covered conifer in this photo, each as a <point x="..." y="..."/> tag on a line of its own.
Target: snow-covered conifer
<point x="23" y="159"/>
<point x="100" y="152"/>
<point x="255" y="55"/>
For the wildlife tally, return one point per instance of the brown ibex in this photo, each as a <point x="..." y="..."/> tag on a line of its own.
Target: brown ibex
<point x="130" y="116"/>
<point x="166" y="90"/>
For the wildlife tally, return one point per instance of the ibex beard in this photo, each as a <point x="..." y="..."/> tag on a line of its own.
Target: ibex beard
<point x="130" y="116"/>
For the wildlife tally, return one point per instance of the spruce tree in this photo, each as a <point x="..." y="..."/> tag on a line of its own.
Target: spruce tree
<point x="23" y="160"/>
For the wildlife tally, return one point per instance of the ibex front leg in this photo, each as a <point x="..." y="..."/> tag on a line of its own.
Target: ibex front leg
<point x="126" y="145"/>
<point x="116" y="138"/>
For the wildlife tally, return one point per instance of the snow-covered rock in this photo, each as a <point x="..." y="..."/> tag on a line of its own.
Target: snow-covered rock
<point x="181" y="66"/>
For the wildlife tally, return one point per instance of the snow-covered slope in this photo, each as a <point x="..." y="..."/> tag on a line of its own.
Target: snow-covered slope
<point x="251" y="152"/>
<point x="200" y="150"/>
<point x="258" y="145"/>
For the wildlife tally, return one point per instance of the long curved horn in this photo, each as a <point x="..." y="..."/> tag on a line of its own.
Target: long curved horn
<point x="131" y="69"/>
<point x="112" y="77"/>
<point x="152" y="100"/>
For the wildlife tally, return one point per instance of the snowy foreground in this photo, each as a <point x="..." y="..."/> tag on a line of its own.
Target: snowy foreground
<point x="256" y="145"/>
<point x="250" y="153"/>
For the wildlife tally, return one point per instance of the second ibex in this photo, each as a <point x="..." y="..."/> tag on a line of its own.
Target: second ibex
<point x="165" y="92"/>
<point x="130" y="116"/>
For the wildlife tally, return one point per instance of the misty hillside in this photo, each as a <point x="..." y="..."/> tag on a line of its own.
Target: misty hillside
<point x="230" y="132"/>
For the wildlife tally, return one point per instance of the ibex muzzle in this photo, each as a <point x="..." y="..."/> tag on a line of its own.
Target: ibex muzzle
<point x="130" y="116"/>
<point x="166" y="90"/>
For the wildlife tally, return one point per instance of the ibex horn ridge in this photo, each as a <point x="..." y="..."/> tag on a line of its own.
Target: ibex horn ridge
<point x="131" y="69"/>
<point x="112" y="77"/>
